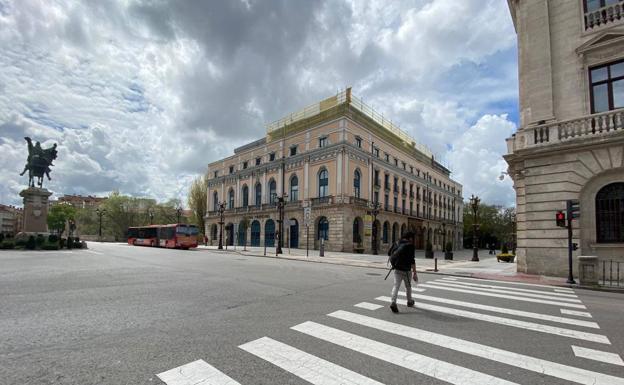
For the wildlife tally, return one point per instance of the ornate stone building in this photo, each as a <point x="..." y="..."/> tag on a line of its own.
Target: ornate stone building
<point x="336" y="157"/>
<point x="571" y="137"/>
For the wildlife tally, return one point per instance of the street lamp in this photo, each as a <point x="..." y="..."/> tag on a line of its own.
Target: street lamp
<point x="280" y="221"/>
<point x="178" y="213"/>
<point x="374" y="212"/>
<point x="444" y="236"/>
<point x="100" y="213"/>
<point x="221" y="210"/>
<point x="150" y="214"/>
<point x="474" y="204"/>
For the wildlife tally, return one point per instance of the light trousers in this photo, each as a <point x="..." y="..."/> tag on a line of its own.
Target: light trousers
<point x="401" y="276"/>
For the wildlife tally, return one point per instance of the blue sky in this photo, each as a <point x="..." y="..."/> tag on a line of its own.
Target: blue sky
<point x="142" y="95"/>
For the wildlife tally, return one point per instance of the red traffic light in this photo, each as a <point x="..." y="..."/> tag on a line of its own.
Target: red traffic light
<point x="560" y="218"/>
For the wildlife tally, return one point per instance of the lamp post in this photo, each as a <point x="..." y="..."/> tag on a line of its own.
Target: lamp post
<point x="178" y="213"/>
<point x="474" y="204"/>
<point x="444" y="236"/>
<point x="100" y="213"/>
<point x="280" y="221"/>
<point x="150" y="214"/>
<point x="221" y="210"/>
<point x="374" y="212"/>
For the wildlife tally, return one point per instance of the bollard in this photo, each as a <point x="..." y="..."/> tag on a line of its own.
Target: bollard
<point x="435" y="264"/>
<point x="322" y="248"/>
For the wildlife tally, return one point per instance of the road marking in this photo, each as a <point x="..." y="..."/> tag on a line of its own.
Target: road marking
<point x="93" y="252"/>
<point x="513" y="283"/>
<point x="505" y="291"/>
<point x="515" y="289"/>
<point x="418" y="289"/>
<point x="525" y="299"/>
<point x="577" y="313"/>
<point x="368" y="305"/>
<point x="432" y="367"/>
<point x="194" y="373"/>
<point x="303" y="365"/>
<point x="545" y="317"/>
<point x="597" y="355"/>
<point x="564" y="291"/>
<point x="565" y="372"/>
<point x="510" y="322"/>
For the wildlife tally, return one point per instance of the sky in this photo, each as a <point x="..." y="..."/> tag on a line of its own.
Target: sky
<point x="141" y="95"/>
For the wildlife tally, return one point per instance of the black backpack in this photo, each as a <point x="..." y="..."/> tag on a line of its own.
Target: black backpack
<point x="394" y="254"/>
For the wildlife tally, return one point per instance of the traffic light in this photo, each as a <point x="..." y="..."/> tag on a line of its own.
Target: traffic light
<point x="573" y="207"/>
<point x="575" y="246"/>
<point x="560" y="217"/>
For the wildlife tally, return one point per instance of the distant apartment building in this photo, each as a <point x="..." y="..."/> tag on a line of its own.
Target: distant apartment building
<point x="341" y="162"/>
<point x="570" y="142"/>
<point x="11" y="219"/>
<point x="80" y="201"/>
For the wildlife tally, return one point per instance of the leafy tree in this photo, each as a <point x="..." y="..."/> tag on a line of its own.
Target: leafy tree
<point x="495" y="225"/>
<point x="197" y="201"/>
<point x="58" y="215"/>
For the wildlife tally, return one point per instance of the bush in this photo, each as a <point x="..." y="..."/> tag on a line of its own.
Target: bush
<point x="504" y="249"/>
<point x="7" y="244"/>
<point x="31" y="244"/>
<point x="52" y="238"/>
<point x="20" y="243"/>
<point x="40" y="240"/>
<point x="50" y="246"/>
<point x="505" y="257"/>
<point x="62" y="242"/>
<point x="1" y="237"/>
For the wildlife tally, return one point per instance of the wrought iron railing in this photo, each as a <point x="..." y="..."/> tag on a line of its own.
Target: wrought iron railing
<point x="611" y="274"/>
<point x="608" y="14"/>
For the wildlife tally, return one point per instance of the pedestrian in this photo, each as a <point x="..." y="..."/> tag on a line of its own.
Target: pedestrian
<point x="403" y="261"/>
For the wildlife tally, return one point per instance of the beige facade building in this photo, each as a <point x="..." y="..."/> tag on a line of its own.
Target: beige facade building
<point x="335" y="159"/>
<point x="571" y="137"/>
<point x="11" y="219"/>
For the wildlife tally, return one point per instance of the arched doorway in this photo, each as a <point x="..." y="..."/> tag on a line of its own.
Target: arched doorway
<point x="395" y="232"/>
<point x="294" y="233"/>
<point x="610" y="214"/>
<point x="241" y="237"/>
<point x="357" y="230"/>
<point x="213" y="233"/>
<point x="322" y="230"/>
<point x="229" y="234"/>
<point x="255" y="233"/>
<point x="269" y="233"/>
<point x="403" y="229"/>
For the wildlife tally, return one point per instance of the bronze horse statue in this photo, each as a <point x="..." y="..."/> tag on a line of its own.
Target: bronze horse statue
<point x="38" y="163"/>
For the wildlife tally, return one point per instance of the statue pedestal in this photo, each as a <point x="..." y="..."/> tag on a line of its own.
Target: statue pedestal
<point x="35" y="210"/>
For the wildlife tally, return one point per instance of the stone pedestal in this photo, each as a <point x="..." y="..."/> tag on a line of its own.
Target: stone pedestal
<point x="588" y="270"/>
<point x="35" y="210"/>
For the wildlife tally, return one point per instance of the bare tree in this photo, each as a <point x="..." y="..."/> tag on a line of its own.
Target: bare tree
<point x="198" y="200"/>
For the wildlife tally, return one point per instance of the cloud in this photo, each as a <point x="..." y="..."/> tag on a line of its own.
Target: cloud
<point x="141" y="96"/>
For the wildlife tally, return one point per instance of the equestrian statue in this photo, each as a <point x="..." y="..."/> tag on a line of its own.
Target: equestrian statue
<point x="39" y="162"/>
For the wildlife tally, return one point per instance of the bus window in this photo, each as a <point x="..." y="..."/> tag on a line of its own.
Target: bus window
<point x="192" y="230"/>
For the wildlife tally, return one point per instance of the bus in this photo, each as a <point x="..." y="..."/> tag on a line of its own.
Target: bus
<point x="172" y="236"/>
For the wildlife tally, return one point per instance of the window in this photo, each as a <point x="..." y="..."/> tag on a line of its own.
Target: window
<point x="607" y="87"/>
<point x="323" y="181"/>
<point x="294" y="188"/>
<point x="387" y="181"/>
<point x="356" y="184"/>
<point x="384" y="236"/>
<point x="358" y="142"/>
<point x="411" y="169"/>
<point x="396" y="184"/>
<point x="386" y="202"/>
<point x="323" y="229"/>
<point x="293" y="151"/>
<point x="377" y="178"/>
<point x="323" y="141"/>
<point x="387" y="158"/>
<point x="593" y="5"/>
<point x="231" y="199"/>
<point x="245" y="196"/>
<point x="258" y="194"/>
<point x="396" y="204"/>
<point x="404" y="165"/>
<point x="377" y="152"/>
<point x="216" y="174"/>
<point x="610" y="214"/>
<point x="231" y="169"/>
<point x="215" y="201"/>
<point x="272" y="191"/>
<point x="258" y="160"/>
<point x="271" y="156"/>
<point x="357" y="223"/>
<point x="376" y="196"/>
<point x="396" y="162"/>
<point x="245" y="164"/>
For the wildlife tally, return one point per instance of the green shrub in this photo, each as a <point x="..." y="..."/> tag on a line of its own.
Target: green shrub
<point x="7" y="244"/>
<point x="31" y="243"/>
<point x="40" y="240"/>
<point x="20" y="243"/>
<point x="53" y="238"/>
<point x="504" y="249"/>
<point x="1" y="237"/>
<point x="50" y="246"/>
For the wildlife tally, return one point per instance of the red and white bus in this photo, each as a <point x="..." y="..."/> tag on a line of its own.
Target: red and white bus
<point x="174" y="236"/>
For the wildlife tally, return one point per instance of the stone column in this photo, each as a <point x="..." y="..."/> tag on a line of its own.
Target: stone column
<point x="35" y="210"/>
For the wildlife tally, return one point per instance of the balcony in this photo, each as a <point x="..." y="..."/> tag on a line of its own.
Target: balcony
<point x="608" y="14"/>
<point x="322" y="201"/>
<point x="596" y="126"/>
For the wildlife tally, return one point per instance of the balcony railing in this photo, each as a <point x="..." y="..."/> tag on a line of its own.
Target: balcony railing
<point x="590" y="126"/>
<point x="605" y="15"/>
<point x="322" y="201"/>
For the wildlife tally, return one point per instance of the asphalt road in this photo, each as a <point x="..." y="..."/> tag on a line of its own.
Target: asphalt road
<point x="117" y="314"/>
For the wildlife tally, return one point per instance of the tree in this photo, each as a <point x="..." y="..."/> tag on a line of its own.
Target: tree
<point x="197" y="201"/>
<point x="495" y="224"/>
<point x="59" y="215"/>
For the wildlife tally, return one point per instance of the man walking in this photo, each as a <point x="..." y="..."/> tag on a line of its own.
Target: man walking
<point x="403" y="261"/>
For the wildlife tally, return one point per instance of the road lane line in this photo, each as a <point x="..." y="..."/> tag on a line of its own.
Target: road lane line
<point x="303" y="365"/>
<point x="597" y="355"/>
<point x="565" y="372"/>
<point x="512" y="283"/>
<point x="196" y="372"/>
<point x="521" y="313"/>
<point x="525" y="299"/>
<point x="564" y="291"/>
<point x="368" y="305"/>
<point x="505" y="291"/>
<point x="431" y="367"/>
<point x="577" y="313"/>
<point x="563" y="332"/>
<point x="513" y="289"/>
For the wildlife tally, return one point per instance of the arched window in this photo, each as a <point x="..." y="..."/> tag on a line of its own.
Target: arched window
<point x="323" y="229"/>
<point x="272" y="191"/>
<point x="215" y="201"/>
<point x="231" y="199"/>
<point x="395" y="231"/>
<point x="385" y="231"/>
<point x="269" y="233"/>
<point x="610" y="214"/>
<point x="356" y="184"/>
<point x="258" y="194"/>
<point x="294" y="188"/>
<point x="357" y="238"/>
<point x="323" y="182"/>
<point x="245" y="196"/>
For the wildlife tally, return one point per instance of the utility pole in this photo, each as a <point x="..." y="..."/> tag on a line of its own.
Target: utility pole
<point x="100" y="213"/>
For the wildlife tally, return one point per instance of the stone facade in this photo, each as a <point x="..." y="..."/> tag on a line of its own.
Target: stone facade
<point x="336" y="157"/>
<point x="11" y="218"/>
<point x="563" y="148"/>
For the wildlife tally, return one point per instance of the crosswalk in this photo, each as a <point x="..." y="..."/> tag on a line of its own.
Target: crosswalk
<point x="537" y="310"/>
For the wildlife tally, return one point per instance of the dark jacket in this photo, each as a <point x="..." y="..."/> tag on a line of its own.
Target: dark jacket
<point x="405" y="252"/>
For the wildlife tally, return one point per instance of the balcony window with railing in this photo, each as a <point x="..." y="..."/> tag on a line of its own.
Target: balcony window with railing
<point x="601" y="12"/>
<point x="607" y="87"/>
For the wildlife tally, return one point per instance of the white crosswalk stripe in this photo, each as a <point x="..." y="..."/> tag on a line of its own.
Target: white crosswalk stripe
<point x="496" y="309"/>
<point x="512" y="289"/>
<point x="311" y="368"/>
<point x="577" y="313"/>
<point x="507" y="296"/>
<point x="511" y="283"/>
<point x="597" y="355"/>
<point x="194" y="373"/>
<point x="570" y="333"/>
<point x="368" y="306"/>
<point x="432" y="367"/>
<point x="505" y="291"/>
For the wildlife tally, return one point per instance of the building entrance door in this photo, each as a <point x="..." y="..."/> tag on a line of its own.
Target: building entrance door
<point x="294" y="234"/>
